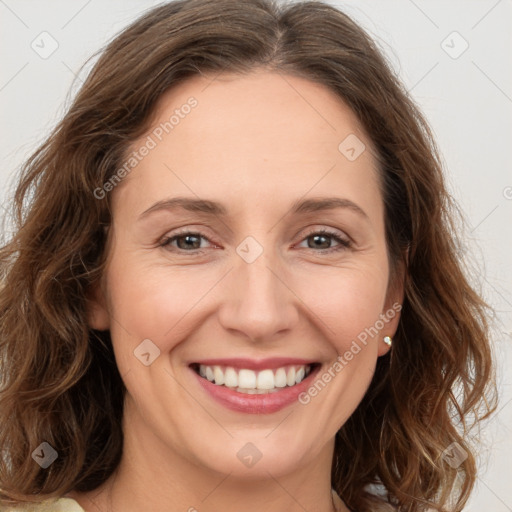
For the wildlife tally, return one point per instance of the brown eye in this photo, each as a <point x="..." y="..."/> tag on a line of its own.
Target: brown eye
<point x="186" y="241"/>
<point x="322" y="240"/>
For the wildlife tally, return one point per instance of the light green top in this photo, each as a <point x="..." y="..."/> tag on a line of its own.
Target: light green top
<point x="60" y="505"/>
<point x="70" y="505"/>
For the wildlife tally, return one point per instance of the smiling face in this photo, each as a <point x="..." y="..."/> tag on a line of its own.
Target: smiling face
<point x="251" y="291"/>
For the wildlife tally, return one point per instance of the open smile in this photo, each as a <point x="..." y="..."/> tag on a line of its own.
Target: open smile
<point x="254" y="391"/>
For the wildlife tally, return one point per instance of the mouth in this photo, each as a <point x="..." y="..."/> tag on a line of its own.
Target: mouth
<point x="249" y="381"/>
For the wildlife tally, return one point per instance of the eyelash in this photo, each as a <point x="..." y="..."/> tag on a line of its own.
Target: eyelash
<point x="343" y="243"/>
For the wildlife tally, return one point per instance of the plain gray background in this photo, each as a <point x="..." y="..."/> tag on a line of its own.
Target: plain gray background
<point x="454" y="57"/>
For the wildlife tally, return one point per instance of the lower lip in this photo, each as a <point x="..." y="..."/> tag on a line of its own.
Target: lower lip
<point x="256" y="404"/>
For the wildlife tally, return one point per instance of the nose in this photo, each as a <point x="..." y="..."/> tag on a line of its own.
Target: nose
<point x="258" y="303"/>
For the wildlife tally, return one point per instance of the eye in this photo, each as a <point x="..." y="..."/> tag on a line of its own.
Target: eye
<point x="320" y="240"/>
<point x="187" y="241"/>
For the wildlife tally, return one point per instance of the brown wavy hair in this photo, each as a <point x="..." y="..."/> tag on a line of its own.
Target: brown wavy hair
<point x="59" y="380"/>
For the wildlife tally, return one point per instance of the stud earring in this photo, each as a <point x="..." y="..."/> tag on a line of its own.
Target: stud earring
<point x="388" y="341"/>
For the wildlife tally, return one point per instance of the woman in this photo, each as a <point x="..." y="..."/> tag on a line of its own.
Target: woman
<point x="234" y="281"/>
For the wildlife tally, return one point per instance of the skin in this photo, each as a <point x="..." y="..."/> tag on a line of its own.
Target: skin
<point x="256" y="143"/>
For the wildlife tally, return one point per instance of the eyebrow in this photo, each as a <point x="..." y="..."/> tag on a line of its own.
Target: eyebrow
<point x="214" y="208"/>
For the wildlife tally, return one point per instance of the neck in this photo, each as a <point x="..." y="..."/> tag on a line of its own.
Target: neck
<point x="151" y="476"/>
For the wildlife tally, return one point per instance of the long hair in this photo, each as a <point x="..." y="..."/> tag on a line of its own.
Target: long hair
<point x="59" y="381"/>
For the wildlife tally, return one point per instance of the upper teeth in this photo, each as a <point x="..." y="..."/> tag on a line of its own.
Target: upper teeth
<point x="248" y="379"/>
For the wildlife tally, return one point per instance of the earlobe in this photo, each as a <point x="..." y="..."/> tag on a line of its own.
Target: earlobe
<point x="392" y="310"/>
<point x="97" y="312"/>
<point x="391" y="318"/>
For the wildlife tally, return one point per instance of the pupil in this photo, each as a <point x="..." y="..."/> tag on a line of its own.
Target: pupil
<point x="188" y="239"/>
<point x="317" y="237"/>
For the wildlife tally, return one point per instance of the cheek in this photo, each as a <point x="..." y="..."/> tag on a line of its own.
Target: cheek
<point x="349" y="309"/>
<point x="346" y="301"/>
<point x="153" y="302"/>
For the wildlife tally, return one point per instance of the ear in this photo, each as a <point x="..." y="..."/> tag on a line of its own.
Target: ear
<point x="393" y="305"/>
<point x="97" y="312"/>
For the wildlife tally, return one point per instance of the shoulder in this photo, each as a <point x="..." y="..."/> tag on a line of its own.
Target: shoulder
<point x="59" y="505"/>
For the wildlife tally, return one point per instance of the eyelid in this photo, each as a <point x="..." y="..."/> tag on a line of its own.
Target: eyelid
<point x="320" y="228"/>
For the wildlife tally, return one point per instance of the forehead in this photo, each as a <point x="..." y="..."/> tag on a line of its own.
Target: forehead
<point x="262" y="133"/>
<point x="255" y="107"/>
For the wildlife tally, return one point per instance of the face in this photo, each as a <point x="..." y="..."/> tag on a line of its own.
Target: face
<point x="271" y="268"/>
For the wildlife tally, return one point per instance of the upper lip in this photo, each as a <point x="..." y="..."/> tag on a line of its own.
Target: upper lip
<point x="255" y="364"/>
